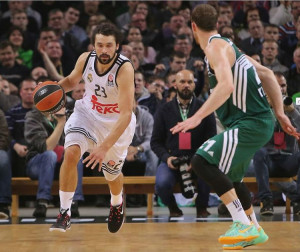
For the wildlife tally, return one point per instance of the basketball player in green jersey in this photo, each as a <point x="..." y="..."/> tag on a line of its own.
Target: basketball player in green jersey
<point x="237" y="83"/>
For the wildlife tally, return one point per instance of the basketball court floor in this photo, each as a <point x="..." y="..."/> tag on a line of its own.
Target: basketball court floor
<point x="141" y="233"/>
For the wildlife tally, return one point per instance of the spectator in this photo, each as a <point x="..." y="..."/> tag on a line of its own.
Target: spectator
<point x="16" y="38"/>
<point x="256" y="57"/>
<point x="90" y="8"/>
<point x="253" y="44"/>
<point x="71" y="17"/>
<point x="56" y="64"/>
<point x="123" y="20"/>
<point x="45" y="138"/>
<point x="139" y="49"/>
<point x="170" y="80"/>
<point x="271" y="31"/>
<point x="251" y="14"/>
<point x="281" y="14"/>
<point x="185" y="11"/>
<point x="20" y="19"/>
<point x="32" y="13"/>
<point x="223" y="20"/>
<point x="177" y="62"/>
<point x="38" y="72"/>
<point x="287" y="34"/>
<point x="165" y="39"/>
<point x="10" y="69"/>
<point x="226" y="9"/>
<point x="142" y="94"/>
<point x="16" y="119"/>
<point x="77" y="94"/>
<point x="134" y="35"/>
<point x="227" y="32"/>
<point x="44" y="7"/>
<point x="94" y="20"/>
<point x="168" y="147"/>
<point x="5" y="169"/>
<point x="56" y="22"/>
<point x="280" y="157"/>
<point x="269" y="57"/>
<point x="195" y="64"/>
<point x="187" y="31"/>
<point x="7" y="100"/>
<point x="140" y="159"/>
<point x="13" y="7"/>
<point x="171" y="9"/>
<point x="138" y="19"/>
<point x="239" y="16"/>
<point x="157" y="86"/>
<point x="293" y="79"/>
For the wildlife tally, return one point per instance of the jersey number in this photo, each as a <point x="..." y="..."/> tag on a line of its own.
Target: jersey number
<point x="100" y="91"/>
<point x="207" y="145"/>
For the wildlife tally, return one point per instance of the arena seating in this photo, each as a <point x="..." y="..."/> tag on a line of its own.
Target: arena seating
<point x="132" y="185"/>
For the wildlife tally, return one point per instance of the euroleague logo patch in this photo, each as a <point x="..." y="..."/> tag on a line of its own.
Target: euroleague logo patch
<point x="110" y="80"/>
<point x="112" y="165"/>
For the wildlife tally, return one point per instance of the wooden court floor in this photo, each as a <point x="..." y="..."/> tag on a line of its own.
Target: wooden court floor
<point x="183" y="237"/>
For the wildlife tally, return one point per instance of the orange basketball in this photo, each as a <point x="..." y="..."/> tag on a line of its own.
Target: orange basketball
<point x="49" y="97"/>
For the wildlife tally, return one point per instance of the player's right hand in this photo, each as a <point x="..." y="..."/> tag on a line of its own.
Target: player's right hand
<point x="287" y="126"/>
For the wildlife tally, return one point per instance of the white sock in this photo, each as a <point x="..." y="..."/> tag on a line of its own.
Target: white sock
<point x="252" y="217"/>
<point x="237" y="212"/>
<point x="116" y="200"/>
<point x="66" y="199"/>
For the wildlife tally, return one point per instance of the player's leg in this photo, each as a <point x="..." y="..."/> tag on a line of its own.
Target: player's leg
<point x="67" y="184"/>
<point x="68" y="177"/>
<point x="79" y="139"/>
<point x="115" y="183"/>
<point x="244" y="196"/>
<point x="224" y="188"/>
<point x="215" y="160"/>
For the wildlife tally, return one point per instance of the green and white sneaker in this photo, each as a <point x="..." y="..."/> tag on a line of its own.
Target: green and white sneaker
<point x="262" y="238"/>
<point x="239" y="232"/>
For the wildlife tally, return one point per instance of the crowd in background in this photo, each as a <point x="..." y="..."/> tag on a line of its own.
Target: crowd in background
<point x="41" y="40"/>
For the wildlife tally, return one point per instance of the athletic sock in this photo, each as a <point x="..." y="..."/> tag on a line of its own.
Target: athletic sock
<point x="252" y="218"/>
<point x="66" y="199"/>
<point x="116" y="200"/>
<point x="237" y="212"/>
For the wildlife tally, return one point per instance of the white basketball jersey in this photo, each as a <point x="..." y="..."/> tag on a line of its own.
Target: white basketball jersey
<point x="101" y="90"/>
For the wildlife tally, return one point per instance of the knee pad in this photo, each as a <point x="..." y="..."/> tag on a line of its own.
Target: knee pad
<point x="211" y="175"/>
<point x="243" y="194"/>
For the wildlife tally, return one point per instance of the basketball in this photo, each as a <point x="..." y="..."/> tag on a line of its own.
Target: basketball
<point x="49" y="97"/>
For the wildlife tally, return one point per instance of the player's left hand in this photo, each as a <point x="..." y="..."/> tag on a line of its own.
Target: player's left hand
<point x="184" y="126"/>
<point x="287" y="126"/>
<point x="95" y="157"/>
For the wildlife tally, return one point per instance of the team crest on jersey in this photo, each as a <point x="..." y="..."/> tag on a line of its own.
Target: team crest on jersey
<point x="90" y="77"/>
<point x="110" y="80"/>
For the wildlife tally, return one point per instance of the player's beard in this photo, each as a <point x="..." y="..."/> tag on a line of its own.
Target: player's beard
<point x="185" y="94"/>
<point x="107" y="60"/>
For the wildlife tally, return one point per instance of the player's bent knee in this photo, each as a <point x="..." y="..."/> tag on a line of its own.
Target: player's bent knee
<point x="202" y="168"/>
<point x="211" y="175"/>
<point x="72" y="154"/>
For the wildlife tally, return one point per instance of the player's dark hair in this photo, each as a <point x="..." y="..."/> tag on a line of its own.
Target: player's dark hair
<point x="107" y="28"/>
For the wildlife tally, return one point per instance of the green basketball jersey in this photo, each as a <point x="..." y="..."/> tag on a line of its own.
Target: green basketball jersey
<point x="248" y="97"/>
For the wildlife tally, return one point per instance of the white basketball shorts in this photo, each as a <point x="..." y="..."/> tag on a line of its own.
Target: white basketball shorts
<point x="84" y="130"/>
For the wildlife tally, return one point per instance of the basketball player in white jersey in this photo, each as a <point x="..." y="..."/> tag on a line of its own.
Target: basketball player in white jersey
<point x="103" y="122"/>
